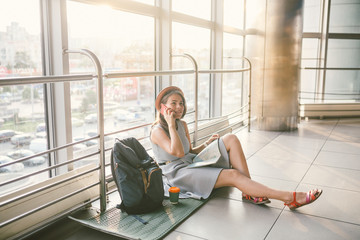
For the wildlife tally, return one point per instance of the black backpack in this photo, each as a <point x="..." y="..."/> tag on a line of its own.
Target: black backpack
<point x="137" y="177"/>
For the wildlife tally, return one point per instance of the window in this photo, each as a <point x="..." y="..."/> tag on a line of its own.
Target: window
<point x="124" y="42"/>
<point x="344" y="16"/>
<point x="232" y="82"/>
<point x="199" y="48"/>
<point x="312" y="16"/>
<point x="343" y="53"/>
<point x="198" y="8"/>
<point x="21" y="106"/>
<point x="333" y="56"/>
<point x="234" y="13"/>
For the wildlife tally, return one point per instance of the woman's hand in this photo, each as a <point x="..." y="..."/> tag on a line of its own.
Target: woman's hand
<point x="169" y="116"/>
<point x="212" y="138"/>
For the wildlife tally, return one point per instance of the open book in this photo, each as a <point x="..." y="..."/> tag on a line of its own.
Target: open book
<point x="208" y="156"/>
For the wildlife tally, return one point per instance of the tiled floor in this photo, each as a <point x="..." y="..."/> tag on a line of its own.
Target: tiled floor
<point x="320" y="154"/>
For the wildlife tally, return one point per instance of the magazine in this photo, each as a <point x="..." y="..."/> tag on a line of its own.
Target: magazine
<point x="208" y="156"/>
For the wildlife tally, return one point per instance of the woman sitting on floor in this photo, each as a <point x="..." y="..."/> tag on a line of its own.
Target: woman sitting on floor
<point x="172" y="148"/>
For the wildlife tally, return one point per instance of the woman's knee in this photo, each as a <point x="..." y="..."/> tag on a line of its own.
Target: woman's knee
<point x="229" y="177"/>
<point x="230" y="139"/>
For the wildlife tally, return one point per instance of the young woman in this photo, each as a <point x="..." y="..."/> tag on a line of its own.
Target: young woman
<point x="172" y="148"/>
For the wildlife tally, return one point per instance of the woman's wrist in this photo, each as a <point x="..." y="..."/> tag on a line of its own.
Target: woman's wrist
<point x="205" y="144"/>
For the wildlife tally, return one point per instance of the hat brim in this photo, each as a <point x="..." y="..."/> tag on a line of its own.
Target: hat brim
<point x="163" y="93"/>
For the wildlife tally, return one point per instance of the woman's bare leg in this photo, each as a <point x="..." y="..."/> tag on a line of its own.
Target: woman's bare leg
<point x="239" y="177"/>
<point x="233" y="178"/>
<point x="236" y="154"/>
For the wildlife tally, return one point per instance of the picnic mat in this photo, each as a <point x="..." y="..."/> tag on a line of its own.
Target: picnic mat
<point x="154" y="225"/>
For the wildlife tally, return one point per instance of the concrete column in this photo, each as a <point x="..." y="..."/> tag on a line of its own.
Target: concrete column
<point x="276" y="95"/>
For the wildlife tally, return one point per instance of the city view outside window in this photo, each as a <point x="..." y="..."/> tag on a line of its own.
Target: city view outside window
<point x="22" y="117"/>
<point x="232" y="82"/>
<point x="123" y="42"/>
<point x="199" y="48"/>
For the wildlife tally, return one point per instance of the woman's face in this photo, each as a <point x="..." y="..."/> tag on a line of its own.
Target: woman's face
<point x="176" y="104"/>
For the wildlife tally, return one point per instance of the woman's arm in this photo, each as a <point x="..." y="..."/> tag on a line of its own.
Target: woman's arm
<point x="199" y="148"/>
<point x="172" y="145"/>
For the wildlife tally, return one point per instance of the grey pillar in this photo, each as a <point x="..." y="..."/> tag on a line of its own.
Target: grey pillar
<point x="276" y="90"/>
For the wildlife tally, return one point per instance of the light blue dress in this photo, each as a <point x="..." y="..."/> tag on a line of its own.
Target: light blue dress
<point x="193" y="182"/>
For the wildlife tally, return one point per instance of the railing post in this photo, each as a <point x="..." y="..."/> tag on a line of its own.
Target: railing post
<point x="249" y="117"/>
<point x="100" y="114"/>
<point x="196" y="69"/>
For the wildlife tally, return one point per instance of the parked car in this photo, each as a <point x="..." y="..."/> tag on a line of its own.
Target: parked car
<point x="16" y="167"/>
<point x="6" y="135"/>
<point x="38" y="145"/>
<point x="123" y="115"/>
<point x="91" y="118"/>
<point x="21" y="139"/>
<point x="26" y="153"/>
<point x="76" y="122"/>
<point x="40" y="135"/>
<point x="41" y="127"/>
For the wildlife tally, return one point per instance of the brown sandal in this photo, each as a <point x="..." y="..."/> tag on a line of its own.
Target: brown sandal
<point x="311" y="196"/>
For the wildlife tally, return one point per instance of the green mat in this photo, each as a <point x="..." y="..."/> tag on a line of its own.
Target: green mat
<point x="148" y="226"/>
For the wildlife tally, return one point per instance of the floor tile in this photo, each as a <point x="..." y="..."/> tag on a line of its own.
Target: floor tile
<point x="292" y="225"/>
<point x="278" y="169"/>
<point x="299" y="143"/>
<point x="180" y="236"/>
<point x="346" y="132"/>
<point x="313" y="130"/>
<point x="257" y="136"/>
<point x="344" y="147"/>
<point x="250" y="148"/>
<point x="333" y="177"/>
<point x="336" y="204"/>
<point x="340" y="160"/>
<point x="288" y="153"/>
<point x="222" y="218"/>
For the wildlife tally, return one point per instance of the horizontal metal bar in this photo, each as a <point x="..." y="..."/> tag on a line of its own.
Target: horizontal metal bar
<point x="2" y="224"/>
<point x="224" y="70"/>
<point x="344" y="36"/>
<point x="320" y="68"/>
<point x="44" y="79"/>
<point x="48" y="168"/>
<point x="149" y="73"/>
<point x="46" y="187"/>
<point x="329" y="93"/>
<point x="46" y="152"/>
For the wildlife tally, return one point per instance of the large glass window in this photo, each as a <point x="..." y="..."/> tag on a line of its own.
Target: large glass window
<point x="198" y="8"/>
<point x="22" y="118"/>
<point x="343" y="54"/>
<point x="234" y="13"/>
<point x="196" y="42"/>
<point x="232" y="82"/>
<point x="338" y="51"/>
<point x="344" y="16"/>
<point x="312" y="15"/>
<point x="124" y="42"/>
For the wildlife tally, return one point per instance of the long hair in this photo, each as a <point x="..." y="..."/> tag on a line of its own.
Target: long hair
<point x="160" y="118"/>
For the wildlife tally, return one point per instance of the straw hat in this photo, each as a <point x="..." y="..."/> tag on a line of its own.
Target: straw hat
<point x="163" y="93"/>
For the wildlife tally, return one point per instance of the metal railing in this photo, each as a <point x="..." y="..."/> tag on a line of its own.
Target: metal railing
<point x="100" y="113"/>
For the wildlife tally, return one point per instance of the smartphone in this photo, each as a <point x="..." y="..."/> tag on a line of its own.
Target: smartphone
<point x="163" y="109"/>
